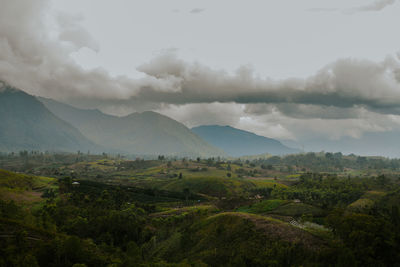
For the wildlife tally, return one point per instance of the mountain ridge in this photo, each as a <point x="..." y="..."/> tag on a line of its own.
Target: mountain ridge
<point x="238" y="142"/>
<point x="145" y="133"/>
<point x="26" y="124"/>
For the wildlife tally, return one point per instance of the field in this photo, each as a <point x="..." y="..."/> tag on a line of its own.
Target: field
<point x="169" y="212"/>
<point x="24" y="189"/>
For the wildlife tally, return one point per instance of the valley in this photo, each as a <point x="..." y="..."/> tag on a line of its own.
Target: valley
<point x="171" y="211"/>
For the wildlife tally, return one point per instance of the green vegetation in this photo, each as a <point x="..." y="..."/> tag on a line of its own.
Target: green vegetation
<point x="24" y="189"/>
<point x="101" y="210"/>
<point x="298" y="209"/>
<point x="263" y="206"/>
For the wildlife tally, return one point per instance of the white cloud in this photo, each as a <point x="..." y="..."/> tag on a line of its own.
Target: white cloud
<point x="374" y="6"/>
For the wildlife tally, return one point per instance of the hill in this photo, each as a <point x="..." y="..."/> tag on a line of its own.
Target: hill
<point x="24" y="189"/>
<point x="147" y="133"/>
<point x="26" y="124"/>
<point x="240" y="239"/>
<point x="239" y="143"/>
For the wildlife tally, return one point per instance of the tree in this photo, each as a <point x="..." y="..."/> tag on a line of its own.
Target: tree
<point x="186" y="192"/>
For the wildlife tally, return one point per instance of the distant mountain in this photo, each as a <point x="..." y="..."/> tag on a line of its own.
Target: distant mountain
<point x="238" y="143"/>
<point x="147" y="133"/>
<point x="369" y="144"/>
<point x="26" y="124"/>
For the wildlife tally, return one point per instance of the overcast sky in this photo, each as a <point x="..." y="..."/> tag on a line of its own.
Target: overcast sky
<point x="284" y="69"/>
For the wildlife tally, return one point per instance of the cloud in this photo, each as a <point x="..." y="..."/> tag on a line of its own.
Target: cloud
<point x="48" y="70"/>
<point x="272" y="122"/>
<point x="197" y="10"/>
<point x="314" y="127"/>
<point x="71" y="31"/>
<point x="39" y="62"/>
<point x="346" y="83"/>
<point x="201" y="114"/>
<point x="377" y="5"/>
<point x="346" y="97"/>
<point x="302" y="111"/>
<point x="323" y="9"/>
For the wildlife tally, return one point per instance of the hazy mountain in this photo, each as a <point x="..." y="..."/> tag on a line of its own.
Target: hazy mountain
<point x="369" y="144"/>
<point x="238" y="143"/>
<point x="147" y="133"/>
<point x="26" y="124"/>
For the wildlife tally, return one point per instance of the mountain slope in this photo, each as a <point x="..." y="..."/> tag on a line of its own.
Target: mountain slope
<point x="147" y="133"/>
<point x="238" y="143"/>
<point x="26" y="124"/>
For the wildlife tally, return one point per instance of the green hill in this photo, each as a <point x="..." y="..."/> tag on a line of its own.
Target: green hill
<point x="240" y="239"/>
<point x="17" y="181"/>
<point x="147" y="133"/>
<point x="24" y="189"/>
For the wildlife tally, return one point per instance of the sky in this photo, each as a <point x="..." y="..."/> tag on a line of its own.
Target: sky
<point x="292" y="70"/>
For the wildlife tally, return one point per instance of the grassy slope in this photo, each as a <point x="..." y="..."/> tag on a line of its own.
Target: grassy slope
<point x="22" y="188"/>
<point x="263" y="206"/>
<point x="283" y="208"/>
<point x="298" y="209"/>
<point x="210" y="181"/>
<point x="366" y="201"/>
<point x="230" y="238"/>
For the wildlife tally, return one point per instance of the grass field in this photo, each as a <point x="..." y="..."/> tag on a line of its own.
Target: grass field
<point x="24" y="189"/>
<point x="266" y="183"/>
<point x="361" y="204"/>
<point x="298" y="209"/>
<point x="263" y="206"/>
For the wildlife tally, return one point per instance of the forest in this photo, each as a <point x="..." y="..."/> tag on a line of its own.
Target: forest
<point x="314" y="209"/>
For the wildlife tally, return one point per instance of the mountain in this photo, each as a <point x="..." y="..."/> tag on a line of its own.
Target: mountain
<point x="369" y="144"/>
<point x="147" y="133"/>
<point x="238" y="143"/>
<point x="26" y="124"/>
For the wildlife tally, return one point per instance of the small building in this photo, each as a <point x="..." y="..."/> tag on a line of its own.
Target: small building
<point x="258" y="196"/>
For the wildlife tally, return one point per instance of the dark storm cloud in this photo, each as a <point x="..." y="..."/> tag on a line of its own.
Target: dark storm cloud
<point x="346" y="83"/>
